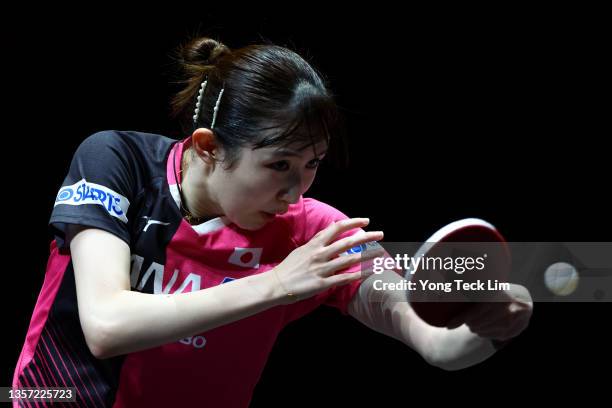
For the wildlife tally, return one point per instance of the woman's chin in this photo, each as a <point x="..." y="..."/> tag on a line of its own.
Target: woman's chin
<point x="253" y="224"/>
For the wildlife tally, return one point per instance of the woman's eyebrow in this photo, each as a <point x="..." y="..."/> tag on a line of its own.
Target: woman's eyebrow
<point x="289" y="152"/>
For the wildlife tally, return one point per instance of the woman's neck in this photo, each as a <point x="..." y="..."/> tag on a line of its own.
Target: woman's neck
<point x="196" y="191"/>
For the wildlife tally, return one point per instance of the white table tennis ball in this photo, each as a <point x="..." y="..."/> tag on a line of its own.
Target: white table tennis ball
<point x="561" y="278"/>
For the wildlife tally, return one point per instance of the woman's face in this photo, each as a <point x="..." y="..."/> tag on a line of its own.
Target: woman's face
<point x="265" y="180"/>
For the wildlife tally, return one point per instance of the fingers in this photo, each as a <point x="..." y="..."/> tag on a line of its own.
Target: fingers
<point x="347" y="243"/>
<point x="490" y="315"/>
<point x="327" y="235"/>
<point x="324" y="237"/>
<point x="350" y="260"/>
<point x="503" y="331"/>
<point x="472" y="312"/>
<point x="343" y="278"/>
<point x="500" y="320"/>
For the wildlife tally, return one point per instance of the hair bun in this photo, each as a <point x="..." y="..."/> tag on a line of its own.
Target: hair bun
<point x="203" y="51"/>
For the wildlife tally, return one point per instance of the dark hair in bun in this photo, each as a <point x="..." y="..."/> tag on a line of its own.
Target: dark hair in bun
<point x="271" y="96"/>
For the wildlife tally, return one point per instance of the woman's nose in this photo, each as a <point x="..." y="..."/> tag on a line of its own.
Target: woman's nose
<point x="291" y="195"/>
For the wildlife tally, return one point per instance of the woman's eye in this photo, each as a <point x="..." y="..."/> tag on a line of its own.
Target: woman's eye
<point x="280" y="166"/>
<point x="283" y="165"/>
<point x="314" y="163"/>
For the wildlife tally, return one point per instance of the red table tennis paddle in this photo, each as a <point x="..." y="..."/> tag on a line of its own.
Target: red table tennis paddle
<point x="465" y="237"/>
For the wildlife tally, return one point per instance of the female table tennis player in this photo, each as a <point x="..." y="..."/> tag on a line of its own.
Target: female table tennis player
<point x="176" y="264"/>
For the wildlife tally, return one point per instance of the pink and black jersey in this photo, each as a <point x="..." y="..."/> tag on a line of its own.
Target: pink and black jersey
<point x="124" y="182"/>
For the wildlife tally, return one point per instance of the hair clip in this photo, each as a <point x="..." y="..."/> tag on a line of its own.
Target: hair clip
<point x="212" y="125"/>
<point x="199" y="102"/>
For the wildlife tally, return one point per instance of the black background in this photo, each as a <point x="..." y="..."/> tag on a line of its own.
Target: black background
<point x="451" y="113"/>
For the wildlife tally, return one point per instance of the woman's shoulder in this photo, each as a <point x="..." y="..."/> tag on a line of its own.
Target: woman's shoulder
<point x="314" y="208"/>
<point x="117" y="137"/>
<point x="310" y="216"/>
<point x="133" y="145"/>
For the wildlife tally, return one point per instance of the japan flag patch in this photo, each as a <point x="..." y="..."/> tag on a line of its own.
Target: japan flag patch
<point x="246" y="257"/>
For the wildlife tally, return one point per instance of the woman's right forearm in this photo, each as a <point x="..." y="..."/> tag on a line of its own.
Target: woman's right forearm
<point x="136" y="321"/>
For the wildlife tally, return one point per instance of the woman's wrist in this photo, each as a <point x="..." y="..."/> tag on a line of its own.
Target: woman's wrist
<point x="278" y="293"/>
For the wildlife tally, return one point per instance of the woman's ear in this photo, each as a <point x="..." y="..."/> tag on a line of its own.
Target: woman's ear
<point x="205" y="145"/>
